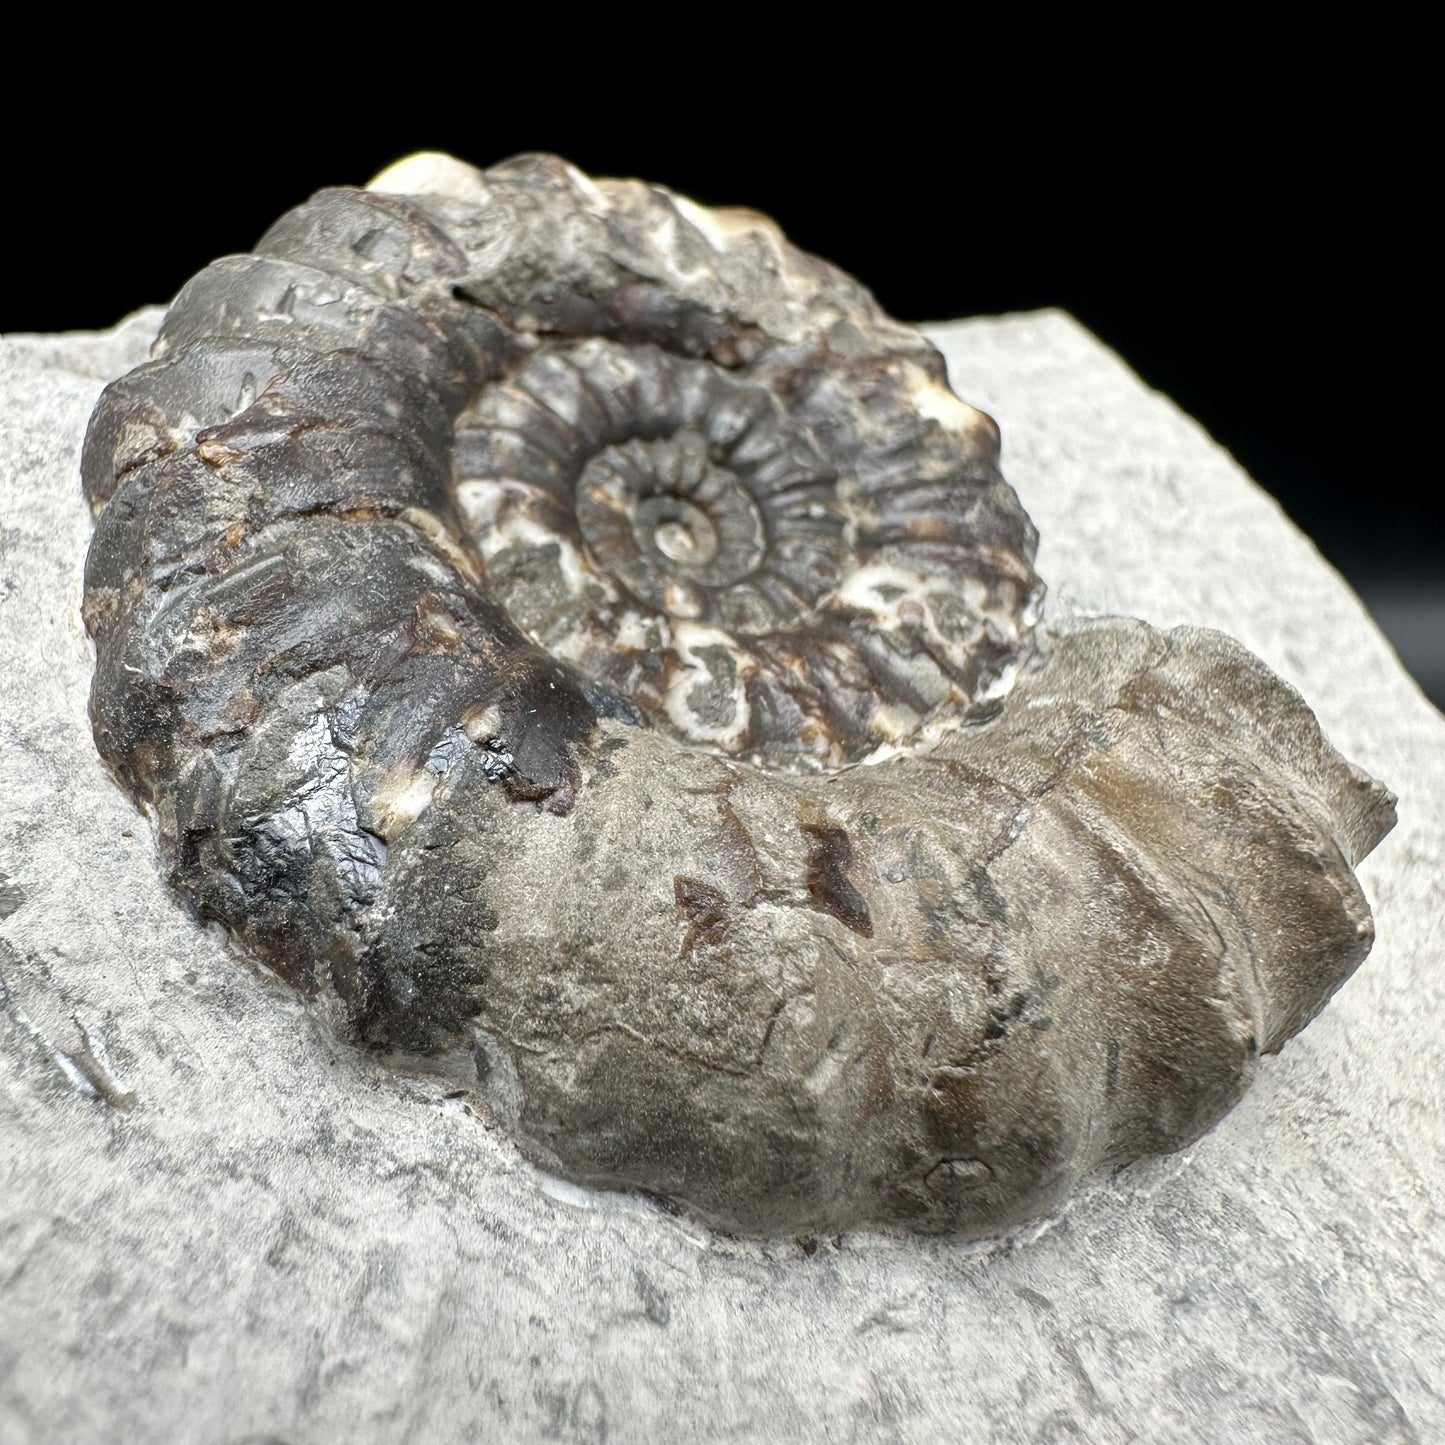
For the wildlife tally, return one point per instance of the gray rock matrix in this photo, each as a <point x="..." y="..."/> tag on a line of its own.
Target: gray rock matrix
<point x="219" y="1224"/>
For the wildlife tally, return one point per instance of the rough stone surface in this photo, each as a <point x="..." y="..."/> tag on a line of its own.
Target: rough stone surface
<point x="216" y="1223"/>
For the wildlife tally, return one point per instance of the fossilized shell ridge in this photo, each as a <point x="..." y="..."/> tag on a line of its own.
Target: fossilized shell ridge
<point x="578" y="638"/>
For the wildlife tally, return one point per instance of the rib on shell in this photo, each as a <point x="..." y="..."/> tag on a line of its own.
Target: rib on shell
<point x="566" y="630"/>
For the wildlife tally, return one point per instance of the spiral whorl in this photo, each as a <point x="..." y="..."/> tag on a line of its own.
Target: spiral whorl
<point x="685" y="533"/>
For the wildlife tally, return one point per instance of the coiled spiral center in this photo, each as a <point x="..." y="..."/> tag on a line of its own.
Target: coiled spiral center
<point x="669" y="523"/>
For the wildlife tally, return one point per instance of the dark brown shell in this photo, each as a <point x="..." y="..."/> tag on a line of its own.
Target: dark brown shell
<point x="570" y="634"/>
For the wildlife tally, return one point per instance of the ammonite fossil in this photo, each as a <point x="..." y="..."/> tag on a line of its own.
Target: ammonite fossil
<point x="574" y="636"/>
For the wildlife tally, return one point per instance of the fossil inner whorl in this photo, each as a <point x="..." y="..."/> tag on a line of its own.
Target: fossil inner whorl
<point x="700" y="542"/>
<point x="677" y="528"/>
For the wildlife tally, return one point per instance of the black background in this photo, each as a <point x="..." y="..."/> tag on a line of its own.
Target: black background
<point x="1251" y="243"/>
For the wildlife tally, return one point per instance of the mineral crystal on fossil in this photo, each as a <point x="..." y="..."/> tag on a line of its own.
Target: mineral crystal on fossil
<point x="580" y="640"/>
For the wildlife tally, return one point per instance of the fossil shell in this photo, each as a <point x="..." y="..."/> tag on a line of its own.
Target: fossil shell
<point x="578" y="638"/>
